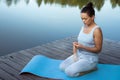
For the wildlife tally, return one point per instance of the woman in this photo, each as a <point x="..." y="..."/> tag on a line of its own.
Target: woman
<point x="85" y="51"/>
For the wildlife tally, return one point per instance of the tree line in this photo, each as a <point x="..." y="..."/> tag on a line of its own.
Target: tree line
<point x="73" y="3"/>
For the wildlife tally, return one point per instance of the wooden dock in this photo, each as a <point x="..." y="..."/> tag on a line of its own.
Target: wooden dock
<point x="12" y="64"/>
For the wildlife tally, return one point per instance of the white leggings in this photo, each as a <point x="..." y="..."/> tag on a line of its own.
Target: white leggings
<point x="84" y="63"/>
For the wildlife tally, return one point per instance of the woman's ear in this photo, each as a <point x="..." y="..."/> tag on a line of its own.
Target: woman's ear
<point x="93" y="17"/>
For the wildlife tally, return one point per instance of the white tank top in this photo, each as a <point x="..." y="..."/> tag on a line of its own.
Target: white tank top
<point x="87" y="40"/>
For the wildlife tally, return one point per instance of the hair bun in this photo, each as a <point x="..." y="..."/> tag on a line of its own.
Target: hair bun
<point x="90" y="4"/>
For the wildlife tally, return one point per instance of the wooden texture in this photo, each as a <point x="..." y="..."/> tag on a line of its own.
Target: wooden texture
<point x="12" y="64"/>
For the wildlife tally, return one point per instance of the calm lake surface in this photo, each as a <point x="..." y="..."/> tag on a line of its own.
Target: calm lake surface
<point x="29" y="23"/>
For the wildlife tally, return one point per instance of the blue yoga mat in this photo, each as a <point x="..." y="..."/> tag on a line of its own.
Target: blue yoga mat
<point x="46" y="67"/>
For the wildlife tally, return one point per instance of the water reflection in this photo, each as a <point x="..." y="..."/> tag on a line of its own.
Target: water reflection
<point x="80" y="3"/>
<point x="73" y="3"/>
<point x="39" y="2"/>
<point x="10" y="2"/>
<point x="115" y="3"/>
<point x="23" y="22"/>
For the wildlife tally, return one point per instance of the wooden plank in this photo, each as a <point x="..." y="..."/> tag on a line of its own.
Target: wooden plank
<point x="55" y="50"/>
<point x="27" y="54"/>
<point x="16" y="59"/>
<point x="63" y="48"/>
<point x="44" y="51"/>
<point x="5" y="76"/>
<point x="20" y="57"/>
<point x="58" y="51"/>
<point x="10" y="71"/>
<point x="108" y="59"/>
<point x="16" y="56"/>
<point x="110" y="50"/>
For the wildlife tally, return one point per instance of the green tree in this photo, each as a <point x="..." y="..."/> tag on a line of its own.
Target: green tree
<point x="39" y="2"/>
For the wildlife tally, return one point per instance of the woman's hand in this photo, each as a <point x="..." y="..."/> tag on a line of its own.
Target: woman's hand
<point x="77" y="45"/>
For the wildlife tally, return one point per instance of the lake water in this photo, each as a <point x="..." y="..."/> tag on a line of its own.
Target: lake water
<point x="29" y="23"/>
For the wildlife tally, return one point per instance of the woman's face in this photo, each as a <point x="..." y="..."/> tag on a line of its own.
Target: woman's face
<point x="87" y="20"/>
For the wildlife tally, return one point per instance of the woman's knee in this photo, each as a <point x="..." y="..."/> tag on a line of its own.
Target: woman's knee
<point x="62" y="67"/>
<point x="71" y="72"/>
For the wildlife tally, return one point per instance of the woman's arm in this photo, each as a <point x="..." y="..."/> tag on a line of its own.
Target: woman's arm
<point x="74" y="48"/>
<point x="98" y="39"/>
<point x="75" y="58"/>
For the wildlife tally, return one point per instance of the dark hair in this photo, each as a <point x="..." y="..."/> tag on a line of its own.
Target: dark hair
<point x="88" y="9"/>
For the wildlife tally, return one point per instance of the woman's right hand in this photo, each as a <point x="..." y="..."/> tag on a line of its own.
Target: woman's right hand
<point x="75" y="43"/>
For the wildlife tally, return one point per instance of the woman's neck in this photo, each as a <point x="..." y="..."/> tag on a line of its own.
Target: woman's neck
<point x="88" y="28"/>
<point x="92" y="25"/>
